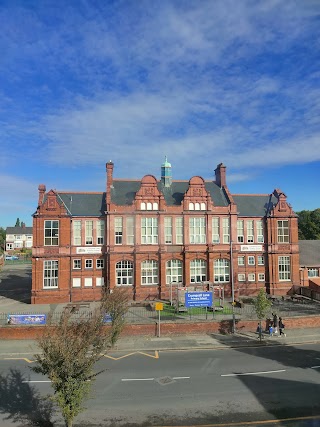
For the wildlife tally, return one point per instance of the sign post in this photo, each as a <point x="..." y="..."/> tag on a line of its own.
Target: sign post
<point x="159" y="308"/>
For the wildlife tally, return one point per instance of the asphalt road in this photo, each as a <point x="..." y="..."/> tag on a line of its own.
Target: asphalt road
<point x="231" y="387"/>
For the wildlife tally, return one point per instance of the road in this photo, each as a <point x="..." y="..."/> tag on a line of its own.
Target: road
<point x="204" y="387"/>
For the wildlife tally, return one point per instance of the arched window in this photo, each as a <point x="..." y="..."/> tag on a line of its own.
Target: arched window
<point x="143" y="206"/>
<point x="173" y="271"/>
<point x="155" y="206"/>
<point x="198" y="271"/>
<point x="221" y="271"/>
<point x="197" y="206"/>
<point x="149" y="273"/>
<point x="191" y="207"/>
<point x="149" y="206"/>
<point x="203" y="206"/>
<point x="124" y="273"/>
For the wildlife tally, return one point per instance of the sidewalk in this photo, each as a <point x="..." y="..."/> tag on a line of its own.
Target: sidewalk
<point x="182" y="342"/>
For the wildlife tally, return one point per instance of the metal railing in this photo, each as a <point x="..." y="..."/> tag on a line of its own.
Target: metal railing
<point x="147" y="314"/>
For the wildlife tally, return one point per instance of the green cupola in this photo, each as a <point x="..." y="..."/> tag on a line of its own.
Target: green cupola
<point x="166" y="174"/>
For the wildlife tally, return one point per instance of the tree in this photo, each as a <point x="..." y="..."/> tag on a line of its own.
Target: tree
<point x="17" y="223"/>
<point x="309" y="224"/>
<point x="71" y="348"/>
<point x="2" y="238"/>
<point x="261" y="305"/>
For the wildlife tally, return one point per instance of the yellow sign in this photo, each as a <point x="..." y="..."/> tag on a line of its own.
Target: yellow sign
<point x="159" y="306"/>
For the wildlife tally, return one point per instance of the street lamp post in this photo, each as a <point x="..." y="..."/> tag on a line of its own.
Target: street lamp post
<point x="232" y="288"/>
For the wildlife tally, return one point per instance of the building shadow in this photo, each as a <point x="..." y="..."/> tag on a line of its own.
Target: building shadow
<point x="21" y="403"/>
<point x="16" y="286"/>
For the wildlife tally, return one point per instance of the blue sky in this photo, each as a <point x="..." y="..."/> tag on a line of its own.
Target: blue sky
<point x="203" y="82"/>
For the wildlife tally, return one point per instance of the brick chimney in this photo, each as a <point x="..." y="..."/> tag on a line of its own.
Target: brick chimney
<point x="109" y="169"/>
<point x="42" y="190"/>
<point x="221" y="175"/>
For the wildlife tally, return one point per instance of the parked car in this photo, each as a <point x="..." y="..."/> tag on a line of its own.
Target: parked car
<point x="11" y="257"/>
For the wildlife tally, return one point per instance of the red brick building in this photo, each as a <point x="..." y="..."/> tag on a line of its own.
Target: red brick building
<point x="147" y="234"/>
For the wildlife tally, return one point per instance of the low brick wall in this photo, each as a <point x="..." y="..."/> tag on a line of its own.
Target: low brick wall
<point x="14" y="332"/>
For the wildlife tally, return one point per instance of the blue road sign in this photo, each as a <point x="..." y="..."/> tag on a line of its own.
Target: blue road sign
<point x="198" y="299"/>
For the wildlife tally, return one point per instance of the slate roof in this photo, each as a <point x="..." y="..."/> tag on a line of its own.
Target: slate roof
<point x="19" y="230"/>
<point x="309" y="253"/>
<point x="254" y="205"/>
<point x="83" y="204"/>
<point x="123" y="192"/>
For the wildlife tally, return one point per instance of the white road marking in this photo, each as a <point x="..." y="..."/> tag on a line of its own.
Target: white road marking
<point x="315" y="367"/>
<point x="253" y="373"/>
<point x="180" y="378"/>
<point x="137" y="379"/>
<point x="34" y="381"/>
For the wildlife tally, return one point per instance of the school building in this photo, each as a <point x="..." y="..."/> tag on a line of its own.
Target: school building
<point x="150" y="235"/>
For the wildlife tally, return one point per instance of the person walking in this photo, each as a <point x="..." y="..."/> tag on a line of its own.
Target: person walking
<point x="275" y="324"/>
<point x="281" y="327"/>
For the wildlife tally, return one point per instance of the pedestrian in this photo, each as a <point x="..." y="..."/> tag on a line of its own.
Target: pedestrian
<point x="281" y="327"/>
<point x="270" y="330"/>
<point x="275" y="323"/>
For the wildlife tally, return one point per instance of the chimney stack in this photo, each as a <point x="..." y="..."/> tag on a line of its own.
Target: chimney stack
<point x="221" y="175"/>
<point x="42" y="190"/>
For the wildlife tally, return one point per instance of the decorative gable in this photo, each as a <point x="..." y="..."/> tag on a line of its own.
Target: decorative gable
<point x="148" y="197"/>
<point x="51" y="205"/>
<point x="282" y="207"/>
<point x="196" y="197"/>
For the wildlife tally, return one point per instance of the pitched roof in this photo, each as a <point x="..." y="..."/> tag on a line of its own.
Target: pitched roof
<point x="309" y="253"/>
<point x="19" y="230"/>
<point x="254" y="204"/>
<point x="83" y="204"/>
<point x="123" y="192"/>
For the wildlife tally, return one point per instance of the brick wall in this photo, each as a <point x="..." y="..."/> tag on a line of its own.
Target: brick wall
<point x="14" y="332"/>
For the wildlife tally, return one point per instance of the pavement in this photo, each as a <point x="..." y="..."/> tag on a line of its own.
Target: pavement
<point x="182" y="342"/>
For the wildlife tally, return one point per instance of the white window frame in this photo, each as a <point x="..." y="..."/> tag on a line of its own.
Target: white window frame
<point x="283" y="231"/>
<point x="250" y="231"/>
<point x="130" y="230"/>
<point x="198" y="270"/>
<point x="76" y="264"/>
<point x="251" y="277"/>
<point x="149" y="273"/>
<point x="313" y="272"/>
<point x="51" y="232"/>
<point x="124" y="273"/>
<point x="241" y="260"/>
<point x="284" y="268"/>
<point x="76" y="282"/>
<point x="197" y="230"/>
<point x="76" y="226"/>
<point x="149" y="231"/>
<point x="241" y="277"/>
<point x="251" y="260"/>
<point x="240" y="231"/>
<point x="100" y="232"/>
<point x="99" y="263"/>
<point x="221" y="270"/>
<point x="168" y="230"/>
<point x="89" y="232"/>
<point x="179" y="230"/>
<point x="99" y="281"/>
<point x="174" y="271"/>
<point x="260" y="259"/>
<point x="261" y="277"/>
<point x="88" y="264"/>
<point x="50" y="274"/>
<point x="88" y="282"/>
<point x="260" y="233"/>
<point x="226" y="230"/>
<point x="215" y="229"/>
<point x="118" y="230"/>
